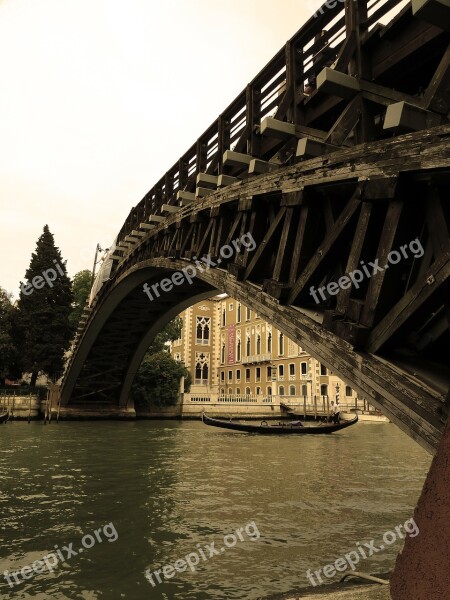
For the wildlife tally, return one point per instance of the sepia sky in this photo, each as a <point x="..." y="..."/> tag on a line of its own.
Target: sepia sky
<point x="98" y="98"/>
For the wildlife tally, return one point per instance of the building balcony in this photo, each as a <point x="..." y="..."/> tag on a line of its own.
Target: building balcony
<point x="258" y="358"/>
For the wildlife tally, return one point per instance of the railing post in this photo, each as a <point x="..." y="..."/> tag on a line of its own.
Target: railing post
<point x="315" y="407"/>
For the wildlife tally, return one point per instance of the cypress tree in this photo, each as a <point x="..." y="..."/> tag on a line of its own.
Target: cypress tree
<point x="44" y="308"/>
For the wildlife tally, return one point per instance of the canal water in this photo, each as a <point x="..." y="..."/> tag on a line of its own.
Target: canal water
<point x="156" y="492"/>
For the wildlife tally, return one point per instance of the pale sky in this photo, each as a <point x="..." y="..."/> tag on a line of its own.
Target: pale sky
<point x="98" y="98"/>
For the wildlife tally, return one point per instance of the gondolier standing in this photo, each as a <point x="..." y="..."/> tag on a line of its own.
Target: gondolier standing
<point x="337" y="408"/>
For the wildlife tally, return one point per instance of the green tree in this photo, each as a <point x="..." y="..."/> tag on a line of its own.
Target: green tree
<point x="9" y="355"/>
<point x="81" y="287"/>
<point x="158" y="378"/>
<point x="44" y="308"/>
<point x="157" y="381"/>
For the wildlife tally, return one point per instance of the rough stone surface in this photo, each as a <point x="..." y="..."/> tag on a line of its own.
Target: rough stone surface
<point x="422" y="570"/>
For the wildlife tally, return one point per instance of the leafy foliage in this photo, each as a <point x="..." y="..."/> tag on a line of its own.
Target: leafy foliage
<point x="43" y="319"/>
<point x="158" y="378"/>
<point x="81" y="287"/>
<point x="9" y="355"/>
<point x="157" y="381"/>
<point x="170" y="333"/>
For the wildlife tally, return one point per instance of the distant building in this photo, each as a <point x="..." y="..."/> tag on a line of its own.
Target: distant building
<point x="231" y="351"/>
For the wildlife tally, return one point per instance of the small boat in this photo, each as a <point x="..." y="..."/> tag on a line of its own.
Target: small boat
<point x="4" y="417"/>
<point x="289" y="427"/>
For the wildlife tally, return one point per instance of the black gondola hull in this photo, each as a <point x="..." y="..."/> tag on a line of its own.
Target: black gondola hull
<point x="279" y="429"/>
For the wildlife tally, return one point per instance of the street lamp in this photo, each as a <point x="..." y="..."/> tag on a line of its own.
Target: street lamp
<point x="97" y="250"/>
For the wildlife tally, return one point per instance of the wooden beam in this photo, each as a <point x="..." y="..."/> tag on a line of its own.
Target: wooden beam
<point x="258" y="166"/>
<point x="339" y="84"/>
<point x="236" y="159"/>
<point x="405" y="117"/>
<point x="307" y="148"/>
<point x="437" y="96"/>
<point x="436" y="12"/>
<point x="169" y="208"/>
<point x="185" y="197"/>
<point x="146" y="226"/>
<point x="387" y="238"/>
<point x="277" y="129"/>
<point x="201" y="192"/>
<point x="265" y="241"/>
<point x="327" y="244"/>
<point x="437" y="276"/>
<point x="156" y="219"/>
<point x="225" y="180"/>
<point x="206" y="180"/>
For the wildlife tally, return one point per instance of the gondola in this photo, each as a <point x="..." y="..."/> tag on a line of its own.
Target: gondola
<point x="3" y="417"/>
<point x="280" y="428"/>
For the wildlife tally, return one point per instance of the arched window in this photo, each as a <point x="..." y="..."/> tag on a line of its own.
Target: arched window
<point x="238" y="391"/>
<point x="269" y="342"/>
<point x="247" y="391"/>
<point x="205" y="373"/>
<point x="230" y="391"/>
<point x="224" y="317"/>
<point x="238" y="311"/>
<point x="222" y="391"/>
<point x="269" y="391"/>
<point x="281" y="344"/>
<point x="304" y="390"/>
<point x="248" y="350"/>
<point x="222" y="358"/>
<point x="324" y="390"/>
<point x="198" y="371"/>
<point x="281" y="390"/>
<point x="238" y="350"/>
<point x="202" y="331"/>
<point x="292" y="390"/>
<point x="258" y="391"/>
<point x="280" y="371"/>
<point x="258" y="344"/>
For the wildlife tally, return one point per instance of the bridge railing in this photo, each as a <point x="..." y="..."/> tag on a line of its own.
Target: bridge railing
<point x="277" y="90"/>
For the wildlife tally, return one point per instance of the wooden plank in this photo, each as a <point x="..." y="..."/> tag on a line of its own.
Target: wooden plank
<point x="265" y="241"/>
<point x="327" y="245"/>
<point x="436" y="12"/>
<point x="281" y="253"/>
<point x="346" y="122"/>
<point x="338" y="84"/>
<point x="437" y="223"/>
<point x="406" y="117"/>
<point x="437" y="96"/>
<point x="298" y="245"/>
<point x="437" y="276"/>
<point x="387" y="238"/>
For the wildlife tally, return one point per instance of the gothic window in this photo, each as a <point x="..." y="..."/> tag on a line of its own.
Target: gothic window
<point x="203" y="330"/>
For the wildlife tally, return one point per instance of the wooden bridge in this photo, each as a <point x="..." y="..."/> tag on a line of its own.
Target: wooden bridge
<point x="335" y="156"/>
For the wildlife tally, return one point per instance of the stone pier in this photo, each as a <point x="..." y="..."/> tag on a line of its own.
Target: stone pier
<point x="422" y="570"/>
